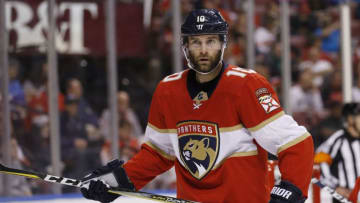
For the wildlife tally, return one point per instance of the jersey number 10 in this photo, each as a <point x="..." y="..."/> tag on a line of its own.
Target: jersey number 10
<point x="241" y="72"/>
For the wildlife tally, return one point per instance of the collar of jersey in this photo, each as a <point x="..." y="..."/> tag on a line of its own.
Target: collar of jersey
<point x="194" y="87"/>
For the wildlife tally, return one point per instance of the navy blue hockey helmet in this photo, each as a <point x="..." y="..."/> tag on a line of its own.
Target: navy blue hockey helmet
<point x="352" y="108"/>
<point x="204" y="21"/>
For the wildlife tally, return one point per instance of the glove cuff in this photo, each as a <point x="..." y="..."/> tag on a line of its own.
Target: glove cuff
<point x="286" y="192"/>
<point x="113" y="174"/>
<point x="122" y="178"/>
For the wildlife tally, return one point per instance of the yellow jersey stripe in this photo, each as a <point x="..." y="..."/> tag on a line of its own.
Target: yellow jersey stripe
<point x="267" y="121"/>
<point x="294" y="142"/>
<point x="236" y="154"/>
<point x="161" y="152"/>
<point x="225" y="129"/>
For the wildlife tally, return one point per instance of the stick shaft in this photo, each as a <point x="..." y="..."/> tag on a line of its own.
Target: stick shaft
<point x="330" y="190"/>
<point x="77" y="183"/>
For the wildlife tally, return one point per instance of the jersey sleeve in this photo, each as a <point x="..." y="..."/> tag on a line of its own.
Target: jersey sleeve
<point x="262" y="115"/>
<point x="157" y="133"/>
<point x="277" y="132"/>
<point x="156" y="155"/>
<point x="146" y="165"/>
<point x="258" y="101"/>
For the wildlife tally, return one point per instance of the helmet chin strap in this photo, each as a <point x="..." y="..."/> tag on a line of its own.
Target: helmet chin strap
<point x="191" y="65"/>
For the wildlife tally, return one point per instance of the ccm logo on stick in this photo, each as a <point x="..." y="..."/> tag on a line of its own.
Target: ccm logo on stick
<point x="62" y="180"/>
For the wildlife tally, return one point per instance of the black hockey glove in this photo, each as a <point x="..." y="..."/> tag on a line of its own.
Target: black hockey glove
<point x="286" y="193"/>
<point x="111" y="176"/>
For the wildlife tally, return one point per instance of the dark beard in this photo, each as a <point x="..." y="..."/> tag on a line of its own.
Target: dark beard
<point x="213" y="63"/>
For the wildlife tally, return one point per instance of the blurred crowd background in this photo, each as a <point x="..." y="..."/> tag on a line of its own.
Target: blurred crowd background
<point x="316" y="92"/>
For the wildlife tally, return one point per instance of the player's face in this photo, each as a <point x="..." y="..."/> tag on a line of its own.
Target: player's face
<point x="353" y="122"/>
<point x="204" y="52"/>
<point x="357" y="123"/>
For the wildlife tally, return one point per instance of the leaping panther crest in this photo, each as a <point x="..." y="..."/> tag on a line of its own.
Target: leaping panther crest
<point x="198" y="153"/>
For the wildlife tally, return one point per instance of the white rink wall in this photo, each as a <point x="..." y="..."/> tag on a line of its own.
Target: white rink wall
<point x="325" y="198"/>
<point x="83" y="200"/>
<point x="76" y="198"/>
<point x="73" y="198"/>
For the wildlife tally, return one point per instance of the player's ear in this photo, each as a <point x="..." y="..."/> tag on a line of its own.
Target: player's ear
<point x="185" y="40"/>
<point x="206" y="142"/>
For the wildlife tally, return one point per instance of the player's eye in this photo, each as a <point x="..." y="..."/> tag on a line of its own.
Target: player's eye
<point x="211" y="43"/>
<point x="195" y="42"/>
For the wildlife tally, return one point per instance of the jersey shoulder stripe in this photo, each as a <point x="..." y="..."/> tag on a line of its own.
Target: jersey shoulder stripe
<point x="293" y="142"/>
<point x="267" y="121"/>
<point x="161" y="130"/>
<point x="159" y="151"/>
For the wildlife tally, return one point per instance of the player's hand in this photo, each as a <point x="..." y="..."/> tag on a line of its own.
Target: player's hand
<point x="111" y="176"/>
<point x="345" y="192"/>
<point x="97" y="190"/>
<point x="286" y="193"/>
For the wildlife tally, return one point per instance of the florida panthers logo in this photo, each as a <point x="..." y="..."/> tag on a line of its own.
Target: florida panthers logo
<point x="198" y="146"/>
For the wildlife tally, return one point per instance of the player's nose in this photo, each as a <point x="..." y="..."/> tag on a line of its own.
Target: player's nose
<point x="203" y="49"/>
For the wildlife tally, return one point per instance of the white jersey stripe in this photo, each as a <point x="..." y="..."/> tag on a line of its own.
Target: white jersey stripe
<point x="349" y="165"/>
<point x="233" y="142"/>
<point x="342" y="179"/>
<point x="356" y="147"/>
<point x="325" y="147"/>
<point x="237" y="142"/>
<point x="325" y="170"/>
<point x="160" y="140"/>
<point x="161" y="152"/>
<point x="335" y="148"/>
<point x="278" y="133"/>
<point x="267" y="121"/>
<point x="327" y="177"/>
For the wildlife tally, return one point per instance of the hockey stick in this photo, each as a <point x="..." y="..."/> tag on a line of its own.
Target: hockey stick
<point x="330" y="190"/>
<point x="77" y="183"/>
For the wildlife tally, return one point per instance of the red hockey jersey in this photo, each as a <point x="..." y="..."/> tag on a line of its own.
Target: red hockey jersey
<point x="217" y="144"/>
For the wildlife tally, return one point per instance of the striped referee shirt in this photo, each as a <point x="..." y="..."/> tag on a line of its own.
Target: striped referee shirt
<point x="343" y="166"/>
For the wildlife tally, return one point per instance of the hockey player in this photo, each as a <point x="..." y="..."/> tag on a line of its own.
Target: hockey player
<point x="338" y="156"/>
<point x="215" y="123"/>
